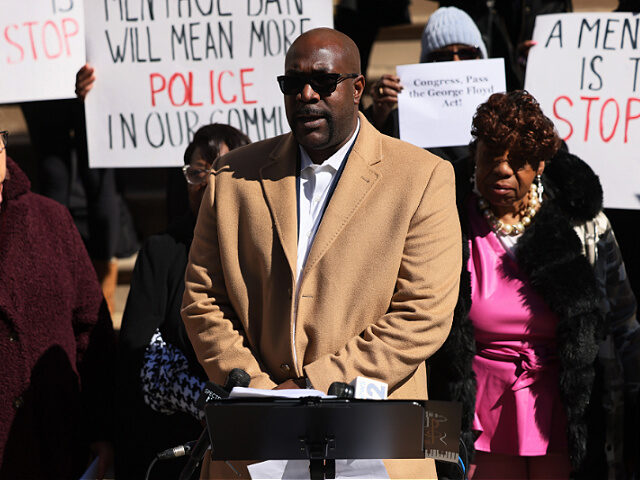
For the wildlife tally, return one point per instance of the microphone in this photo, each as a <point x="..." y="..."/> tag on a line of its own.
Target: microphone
<point x="341" y="390"/>
<point x="175" y="452"/>
<point x="212" y="391"/>
<point x="237" y="378"/>
<point x="368" y="389"/>
<point x="361" y="388"/>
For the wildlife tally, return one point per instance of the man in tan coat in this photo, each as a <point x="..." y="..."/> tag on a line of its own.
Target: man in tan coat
<point x="326" y="253"/>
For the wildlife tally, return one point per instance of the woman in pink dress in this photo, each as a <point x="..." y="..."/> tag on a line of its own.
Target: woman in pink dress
<point x="544" y="351"/>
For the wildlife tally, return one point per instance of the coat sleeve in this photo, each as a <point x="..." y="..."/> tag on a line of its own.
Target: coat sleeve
<point x="421" y="310"/>
<point x="215" y="332"/>
<point x="622" y="324"/>
<point x="144" y="313"/>
<point x="620" y="302"/>
<point x="95" y="342"/>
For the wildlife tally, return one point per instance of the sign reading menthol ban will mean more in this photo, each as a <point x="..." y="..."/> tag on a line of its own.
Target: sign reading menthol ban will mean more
<point x="165" y="68"/>
<point x="585" y="72"/>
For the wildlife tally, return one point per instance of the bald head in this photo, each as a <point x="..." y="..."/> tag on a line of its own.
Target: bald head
<point x="322" y="67"/>
<point x="328" y="38"/>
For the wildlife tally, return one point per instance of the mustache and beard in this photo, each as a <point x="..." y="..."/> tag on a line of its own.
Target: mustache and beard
<point x="307" y="113"/>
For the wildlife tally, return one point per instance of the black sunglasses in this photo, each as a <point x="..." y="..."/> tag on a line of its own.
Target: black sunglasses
<point x="322" y="83"/>
<point x="464" y="53"/>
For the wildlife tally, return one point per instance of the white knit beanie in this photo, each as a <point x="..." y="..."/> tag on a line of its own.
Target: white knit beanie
<point x="448" y="26"/>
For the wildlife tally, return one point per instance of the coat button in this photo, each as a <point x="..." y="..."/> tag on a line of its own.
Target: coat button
<point x="18" y="402"/>
<point x="13" y="337"/>
<point x="284" y="367"/>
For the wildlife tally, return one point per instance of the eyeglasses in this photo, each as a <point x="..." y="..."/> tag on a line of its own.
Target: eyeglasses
<point x="4" y="138"/>
<point x="463" y="53"/>
<point x="195" y="175"/>
<point x="322" y="83"/>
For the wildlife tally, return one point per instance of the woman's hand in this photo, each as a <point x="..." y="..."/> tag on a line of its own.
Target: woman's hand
<point x="385" y="98"/>
<point x="85" y="79"/>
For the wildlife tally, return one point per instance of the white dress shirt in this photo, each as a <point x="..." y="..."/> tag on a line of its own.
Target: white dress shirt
<point x="315" y="183"/>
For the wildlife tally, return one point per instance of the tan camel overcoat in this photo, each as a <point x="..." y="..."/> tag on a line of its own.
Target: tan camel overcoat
<point x="378" y="289"/>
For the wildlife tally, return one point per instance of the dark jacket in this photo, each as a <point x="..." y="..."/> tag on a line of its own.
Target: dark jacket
<point x="56" y="340"/>
<point x="551" y="252"/>
<point x="154" y="302"/>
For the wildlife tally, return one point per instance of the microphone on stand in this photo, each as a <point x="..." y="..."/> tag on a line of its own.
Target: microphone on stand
<point x="341" y="390"/>
<point x="361" y="388"/>
<point x="237" y="378"/>
<point x="212" y="391"/>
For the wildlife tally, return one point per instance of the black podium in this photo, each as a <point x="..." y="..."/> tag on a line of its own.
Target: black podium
<point x="322" y="430"/>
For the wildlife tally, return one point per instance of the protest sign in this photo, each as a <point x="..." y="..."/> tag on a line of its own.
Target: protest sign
<point x="165" y="68"/>
<point x="585" y="72"/>
<point x="41" y="49"/>
<point x="438" y="101"/>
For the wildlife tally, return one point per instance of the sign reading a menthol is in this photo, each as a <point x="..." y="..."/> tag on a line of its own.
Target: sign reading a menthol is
<point x="585" y="72"/>
<point x="166" y="68"/>
<point x="41" y="49"/>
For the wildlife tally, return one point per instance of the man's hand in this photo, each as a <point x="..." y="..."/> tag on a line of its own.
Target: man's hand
<point x="104" y="452"/>
<point x="85" y="79"/>
<point x="292" y="384"/>
<point x="385" y="98"/>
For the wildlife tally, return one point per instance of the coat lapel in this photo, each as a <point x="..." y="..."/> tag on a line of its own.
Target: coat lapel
<point x="357" y="180"/>
<point x="278" y="178"/>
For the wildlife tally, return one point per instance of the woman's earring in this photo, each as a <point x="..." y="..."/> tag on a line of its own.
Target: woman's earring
<point x="472" y="180"/>
<point x="540" y="188"/>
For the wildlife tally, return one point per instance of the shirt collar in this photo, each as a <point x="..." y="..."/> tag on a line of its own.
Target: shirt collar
<point x="335" y="160"/>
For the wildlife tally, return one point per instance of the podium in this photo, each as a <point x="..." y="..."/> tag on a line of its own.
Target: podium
<point x="322" y="430"/>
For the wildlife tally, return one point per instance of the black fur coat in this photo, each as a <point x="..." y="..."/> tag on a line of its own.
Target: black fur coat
<point x="550" y="252"/>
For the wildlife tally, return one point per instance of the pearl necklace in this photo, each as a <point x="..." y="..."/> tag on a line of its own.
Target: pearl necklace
<point x="501" y="228"/>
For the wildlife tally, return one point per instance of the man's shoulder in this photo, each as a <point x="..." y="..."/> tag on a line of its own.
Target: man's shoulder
<point x="397" y="154"/>
<point x="399" y="150"/>
<point x="250" y="157"/>
<point x="406" y="162"/>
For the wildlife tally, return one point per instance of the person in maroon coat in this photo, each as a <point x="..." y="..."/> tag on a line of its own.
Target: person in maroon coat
<point x="56" y="340"/>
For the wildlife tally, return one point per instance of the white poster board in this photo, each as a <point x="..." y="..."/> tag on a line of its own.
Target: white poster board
<point x="166" y="68"/>
<point x="438" y="101"/>
<point x="585" y="72"/>
<point x="41" y="49"/>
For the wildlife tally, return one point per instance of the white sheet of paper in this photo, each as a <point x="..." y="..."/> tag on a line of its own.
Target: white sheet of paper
<point x="438" y="101"/>
<point x="244" y="392"/>
<point x="585" y="72"/>
<point x="41" y="49"/>
<point x="299" y="469"/>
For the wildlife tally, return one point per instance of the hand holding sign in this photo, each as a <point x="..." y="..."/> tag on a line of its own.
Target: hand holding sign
<point x="385" y="98"/>
<point x="85" y="78"/>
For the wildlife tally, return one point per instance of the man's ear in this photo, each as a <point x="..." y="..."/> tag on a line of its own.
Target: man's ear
<point x="358" y="89"/>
